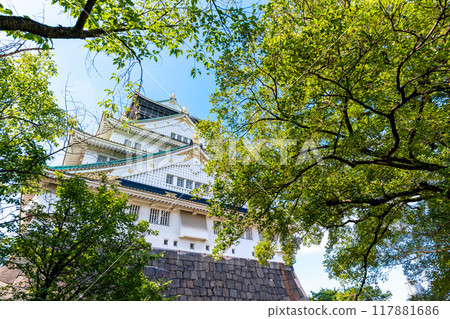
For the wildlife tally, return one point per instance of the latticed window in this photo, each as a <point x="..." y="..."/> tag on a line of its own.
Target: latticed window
<point x="102" y="159"/>
<point x="159" y="217"/>
<point x="154" y="216"/>
<point x="185" y="139"/>
<point x="217" y="226"/>
<point x="173" y="135"/>
<point x="164" y="220"/>
<point x="189" y="184"/>
<point x="197" y="185"/>
<point x="247" y="234"/>
<point x="169" y="179"/>
<point x="134" y="209"/>
<point x="180" y="182"/>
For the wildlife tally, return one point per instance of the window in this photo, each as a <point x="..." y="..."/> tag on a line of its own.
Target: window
<point x="217" y="226"/>
<point x="166" y="242"/>
<point x="185" y="139"/>
<point x="180" y="182"/>
<point x="173" y="135"/>
<point x="207" y="247"/>
<point x="197" y="185"/>
<point x="127" y="142"/>
<point x="175" y="243"/>
<point x="233" y="251"/>
<point x="247" y="234"/>
<point x="260" y="235"/>
<point x="102" y="159"/>
<point x="112" y="159"/>
<point x="192" y="246"/>
<point x="189" y="184"/>
<point x="134" y="209"/>
<point x="159" y="217"/>
<point x="154" y="216"/>
<point x="137" y="145"/>
<point x="164" y="218"/>
<point x="169" y="179"/>
<point x="179" y="137"/>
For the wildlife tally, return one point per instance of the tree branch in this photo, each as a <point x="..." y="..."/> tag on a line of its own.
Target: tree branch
<point x="84" y="15"/>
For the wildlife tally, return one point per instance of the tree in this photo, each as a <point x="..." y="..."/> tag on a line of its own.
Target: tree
<point x="30" y="122"/>
<point x="368" y="293"/>
<point x="83" y="246"/>
<point x="333" y="117"/>
<point x="129" y="30"/>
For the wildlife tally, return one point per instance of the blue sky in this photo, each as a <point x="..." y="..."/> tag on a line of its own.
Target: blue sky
<point x="86" y="85"/>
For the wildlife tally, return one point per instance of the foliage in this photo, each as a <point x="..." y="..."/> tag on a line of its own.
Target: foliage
<point x="133" y="30"/>
<point x="368" y="293"/>
<point x="30" y="121"/>
<point x="333" y="118"/>
<point x="83" y="246"/>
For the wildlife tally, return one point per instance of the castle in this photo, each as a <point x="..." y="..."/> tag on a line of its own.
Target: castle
<point x="157" y="159"/>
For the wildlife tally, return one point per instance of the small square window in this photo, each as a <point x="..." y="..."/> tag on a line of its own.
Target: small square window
<point x="175" y="243"/>
<point x="127" y="142"/>
<point x="166" y="242"/>
<point x="137" y="145"/>
<point x="180" y="182"/>
<point x="192" y="246"/>
<point x="189" y="184"/>
<point x="169" y="179"/>
<point x="207" y="247"/>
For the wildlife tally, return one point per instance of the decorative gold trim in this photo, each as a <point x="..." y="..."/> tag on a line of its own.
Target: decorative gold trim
<point x="171" y="195"/>
<point x="96" y="176"/>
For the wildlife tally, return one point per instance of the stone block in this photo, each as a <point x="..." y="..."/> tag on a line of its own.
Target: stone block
<point x="233" y="293"/>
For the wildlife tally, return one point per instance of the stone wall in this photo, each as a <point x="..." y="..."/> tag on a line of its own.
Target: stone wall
<point x="198" y="277"/>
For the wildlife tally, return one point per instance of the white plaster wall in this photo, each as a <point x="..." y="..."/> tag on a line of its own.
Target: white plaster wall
<point x="244" y="249"/>
<point x="146" y="144"/>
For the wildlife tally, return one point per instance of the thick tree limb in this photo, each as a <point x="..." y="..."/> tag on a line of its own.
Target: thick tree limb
<point x="84" y="15"/>
<point x="14" y="23"/>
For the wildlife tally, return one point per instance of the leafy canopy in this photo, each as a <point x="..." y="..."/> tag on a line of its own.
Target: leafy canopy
<point x="369" y="293"/>
<point x="84" y="246"/>
<point x="131" y="31"/>
<point x="30" y="121"/>
<point x="333" y="117"/>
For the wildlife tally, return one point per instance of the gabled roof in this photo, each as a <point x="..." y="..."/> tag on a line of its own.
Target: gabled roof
<point x="186" y="117"/>
<point x="143" y="132"/>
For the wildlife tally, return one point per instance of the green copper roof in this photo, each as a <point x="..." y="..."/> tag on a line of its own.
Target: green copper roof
<point x="120" y="161"/>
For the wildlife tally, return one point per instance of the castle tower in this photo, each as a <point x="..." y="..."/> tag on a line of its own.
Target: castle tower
<point x="157" y="159"/>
